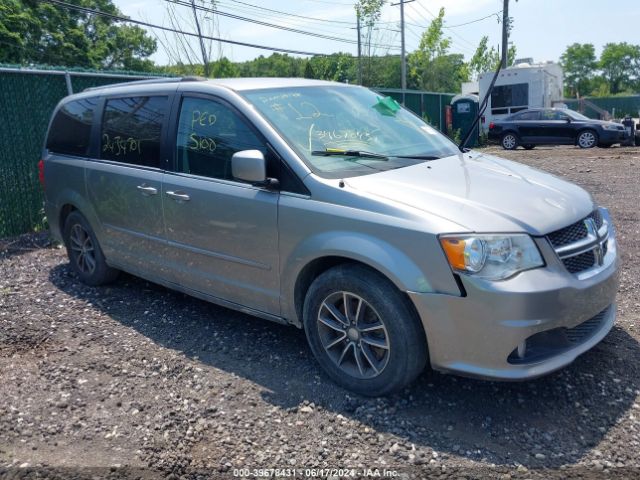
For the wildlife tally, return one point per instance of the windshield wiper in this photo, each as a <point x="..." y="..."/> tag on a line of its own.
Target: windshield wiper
<point x="418" y="157"/>
<point x="350" y="153"/>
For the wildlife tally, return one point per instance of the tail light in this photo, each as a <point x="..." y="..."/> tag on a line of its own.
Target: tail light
<point x="492" y="126"/>
<point x="41" y="172"/>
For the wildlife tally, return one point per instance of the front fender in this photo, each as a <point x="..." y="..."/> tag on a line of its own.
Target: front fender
<point x="378" y="254"/>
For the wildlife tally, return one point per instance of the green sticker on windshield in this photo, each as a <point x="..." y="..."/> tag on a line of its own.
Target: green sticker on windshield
<point x="387" y="106"/>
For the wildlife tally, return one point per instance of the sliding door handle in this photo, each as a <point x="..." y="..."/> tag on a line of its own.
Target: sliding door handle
<point x="178" y="196"/>
<point x="146" y="190"/>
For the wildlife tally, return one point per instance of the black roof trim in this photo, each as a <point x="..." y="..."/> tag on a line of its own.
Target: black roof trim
<point x="149" y="81"/>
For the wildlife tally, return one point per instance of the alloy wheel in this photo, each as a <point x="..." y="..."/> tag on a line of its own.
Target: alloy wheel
<point x="83" y="249"/>
<point x="587" y="140"/>
<point x="509" y="142"/>
<point x="353" y="335"/>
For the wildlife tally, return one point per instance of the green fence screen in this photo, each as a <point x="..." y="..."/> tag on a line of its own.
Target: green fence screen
<point x="617" y="107"/>
<point x="428" y="105"/>
<point x="27" y="99"/>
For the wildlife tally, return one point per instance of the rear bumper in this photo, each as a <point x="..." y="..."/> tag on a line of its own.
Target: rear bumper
<point x="494" y="136"/>
<point x="479" y="335"/>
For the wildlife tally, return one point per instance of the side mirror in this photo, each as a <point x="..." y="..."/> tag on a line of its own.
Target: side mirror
<point x="249" y="166"/>
<point x="568" y="119"/>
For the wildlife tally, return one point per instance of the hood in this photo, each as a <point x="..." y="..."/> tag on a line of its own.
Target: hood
<point x="482" y="193"/>
<point x="599" y="122"/>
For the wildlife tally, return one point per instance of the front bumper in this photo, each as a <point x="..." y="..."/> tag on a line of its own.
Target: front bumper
<point x="479" y="334"/>
<point x="613" y="136"/>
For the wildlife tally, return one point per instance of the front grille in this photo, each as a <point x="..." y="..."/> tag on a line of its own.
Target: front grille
<point x="568" y="235"/>
<point x="548" y="343"/>
<point x="597" y="216"/>
<point x="575" y="233"/>
<point x="580" y="263"/>
<point x="582" y="332"/>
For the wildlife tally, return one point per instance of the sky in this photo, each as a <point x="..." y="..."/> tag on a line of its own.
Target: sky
<point x="542" y="29"/>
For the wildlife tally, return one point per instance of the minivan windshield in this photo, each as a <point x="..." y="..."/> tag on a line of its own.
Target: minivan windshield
<point x="344" y="131"/>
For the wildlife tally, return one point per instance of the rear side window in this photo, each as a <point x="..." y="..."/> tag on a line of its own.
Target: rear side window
<point x="132" y="130"/>
<point x="527" y="116"/>
<point x="70" y="131"/>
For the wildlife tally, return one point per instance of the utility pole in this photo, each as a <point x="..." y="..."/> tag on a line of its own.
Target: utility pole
<point x="505" y="33"/>
<point x="403" y="74"/>
<point x="403" y="57"/>
<point x="359" y="50"/>
<point x="205" y="58"/>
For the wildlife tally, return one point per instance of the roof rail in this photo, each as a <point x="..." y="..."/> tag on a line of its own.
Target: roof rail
<point x="149" y="81"/>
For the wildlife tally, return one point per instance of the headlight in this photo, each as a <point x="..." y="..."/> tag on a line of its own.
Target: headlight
<point x="494" y="257"/>
<point x="610" y="127"/>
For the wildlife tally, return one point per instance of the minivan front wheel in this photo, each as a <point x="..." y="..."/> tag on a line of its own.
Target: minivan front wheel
<point x="85" y="254"/>
<point x="362" y="331"/>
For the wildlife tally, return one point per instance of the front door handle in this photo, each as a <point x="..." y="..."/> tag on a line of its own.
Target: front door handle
<point x="146" y="190"/>
<point x="178" y="196"/>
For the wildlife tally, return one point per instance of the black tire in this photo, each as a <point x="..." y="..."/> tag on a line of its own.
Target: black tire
<point x="587" y="139"/>
<point x="85" y="255"/>
<point x="509" y="141"/>
<point x="375" y="298"/>
<point x="529" y="147"/>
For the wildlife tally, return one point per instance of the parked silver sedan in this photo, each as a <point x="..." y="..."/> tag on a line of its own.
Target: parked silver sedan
<point x="334" y="209"/>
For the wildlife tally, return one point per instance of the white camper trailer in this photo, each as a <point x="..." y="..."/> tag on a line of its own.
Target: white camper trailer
<point x="525" y="85"/>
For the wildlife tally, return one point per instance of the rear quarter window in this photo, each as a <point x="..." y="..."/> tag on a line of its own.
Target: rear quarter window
<point x="132" y="130"/>
<point x="70" y="131"/>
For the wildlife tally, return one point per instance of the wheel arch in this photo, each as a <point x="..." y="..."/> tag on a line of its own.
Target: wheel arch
<point x="376" y="255"/>
<point x="587" y="129"/>
<point x="69" y="201"/>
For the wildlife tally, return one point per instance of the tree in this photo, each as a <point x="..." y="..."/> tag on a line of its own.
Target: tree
<point x="431" y="67"/>
<point x="223" y="68"/>
<point x="620" y="64"/>
<point x="484" y="59"/>
<point x="39" y="32"/>
<point x="188" y="51"/>
<point x="580" y="65"/>
<point x="369" y="11"/>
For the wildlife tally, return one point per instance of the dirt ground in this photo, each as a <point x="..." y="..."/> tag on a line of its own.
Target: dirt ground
<point x="135" y="381"/>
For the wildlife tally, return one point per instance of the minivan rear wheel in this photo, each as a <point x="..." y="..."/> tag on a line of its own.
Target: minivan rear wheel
<point x="362" y="331"/>
<point x="85" y="254"/>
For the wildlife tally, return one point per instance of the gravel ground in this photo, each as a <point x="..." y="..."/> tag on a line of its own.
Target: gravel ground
<point x="136" y="381"/>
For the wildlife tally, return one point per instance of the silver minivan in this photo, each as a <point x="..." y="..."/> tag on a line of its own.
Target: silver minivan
<point x="334" y="209"/>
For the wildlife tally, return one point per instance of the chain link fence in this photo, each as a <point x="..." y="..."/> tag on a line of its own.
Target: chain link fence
<point x="27" y="99"/>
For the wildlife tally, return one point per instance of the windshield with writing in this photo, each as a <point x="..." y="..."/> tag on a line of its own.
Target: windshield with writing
<point x="341" y="121"/>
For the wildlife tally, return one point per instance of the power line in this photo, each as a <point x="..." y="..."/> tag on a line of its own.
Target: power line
<point x="294" y="15"/>
<point x="327" y="28"/>
<point x="174" y="30"/>
<point x="452" y="31"/>
<point x="491" y="15"/>
<point x="271" y="25"/>
<point x="340" y="25"/>
<point x="326" y="2"/>
<point x="455" y="44"/>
